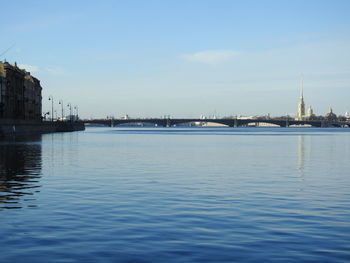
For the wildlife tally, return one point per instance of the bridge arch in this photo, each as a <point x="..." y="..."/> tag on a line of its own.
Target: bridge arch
<point x="262" y="124"/>
<point x="205" y="123"/>
<point x="266" y="123"/>
<point x="141" y="122"/>
<point x="215" y="124"/>
<point x="100" y="122"/>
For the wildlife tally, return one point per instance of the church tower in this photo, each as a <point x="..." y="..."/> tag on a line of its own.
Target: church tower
<point x="301" y="106"/>
<point x="310" y="113"/>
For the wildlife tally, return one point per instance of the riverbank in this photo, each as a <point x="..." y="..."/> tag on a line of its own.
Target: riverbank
<point x="10" y="128"/>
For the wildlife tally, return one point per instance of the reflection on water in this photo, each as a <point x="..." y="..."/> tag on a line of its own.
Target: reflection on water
<point x="301" y="155"/>
<point x="20" y="169"/>
<point x="177" y="195"/>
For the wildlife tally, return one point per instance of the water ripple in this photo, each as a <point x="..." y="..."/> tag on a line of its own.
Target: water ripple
<point x="107" y="195"/>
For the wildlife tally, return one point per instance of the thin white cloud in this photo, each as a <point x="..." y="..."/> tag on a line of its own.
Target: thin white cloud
<point x="210" y="57"/>
<point x="29" y="68"/>
<point x="55" y="70"/>
<point x="52" y="70"/>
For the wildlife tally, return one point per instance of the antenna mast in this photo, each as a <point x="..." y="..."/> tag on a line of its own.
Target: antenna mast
<point x="3" y="53"/>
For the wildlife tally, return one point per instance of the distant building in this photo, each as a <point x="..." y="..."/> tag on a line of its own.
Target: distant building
<point x="20" y="94"/>
<point x="301" y="106"/>
<point x="301" y="114"/>
<point x="310" y="112"/>
<point x="347" y="115"/>
<point x="331" y="116"/>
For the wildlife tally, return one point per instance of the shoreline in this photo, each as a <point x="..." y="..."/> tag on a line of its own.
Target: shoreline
<point x="9" y="128"/>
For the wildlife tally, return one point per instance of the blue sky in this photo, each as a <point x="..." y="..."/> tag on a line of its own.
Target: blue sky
<point x="183" y="58"/>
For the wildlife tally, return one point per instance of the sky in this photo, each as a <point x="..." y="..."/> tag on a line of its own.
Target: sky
<point x="183" y="58"/>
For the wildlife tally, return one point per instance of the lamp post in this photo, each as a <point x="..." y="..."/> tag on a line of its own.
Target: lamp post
<point x="51" y="98"/>
<point x="61" y="103"/>
<point x="70" y="111"/>
<point x="77" y="116"/>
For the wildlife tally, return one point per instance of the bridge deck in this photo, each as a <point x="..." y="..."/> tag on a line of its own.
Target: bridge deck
<point x="228" y="122"/>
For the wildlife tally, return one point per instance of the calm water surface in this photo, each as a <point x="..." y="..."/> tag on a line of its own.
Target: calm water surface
<point x="177" y="195"/>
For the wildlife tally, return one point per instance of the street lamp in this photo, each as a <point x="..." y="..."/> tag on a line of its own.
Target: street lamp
<point x="70" y="111"/>
<point x="76" y="108"/>
<point x="61" y="103"/>
<point x="51" y="98"/>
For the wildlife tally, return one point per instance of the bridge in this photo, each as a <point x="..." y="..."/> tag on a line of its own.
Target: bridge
<point x="168" y="122"/>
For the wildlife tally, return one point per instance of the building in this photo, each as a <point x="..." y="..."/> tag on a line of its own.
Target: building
<point x="331" y="116"/>
<point x="301" y="114"/>
<point x="310" y="114"/>
<point x="347" y="115"/>
<point x="20" y="94"/>
<point x="301" y="106"/>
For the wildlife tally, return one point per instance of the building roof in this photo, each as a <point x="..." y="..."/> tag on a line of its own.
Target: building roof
<point x="2" y="70"/>
<point x="4" y="66"/>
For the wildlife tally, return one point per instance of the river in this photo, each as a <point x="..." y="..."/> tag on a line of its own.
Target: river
<point x="177" y="195"/>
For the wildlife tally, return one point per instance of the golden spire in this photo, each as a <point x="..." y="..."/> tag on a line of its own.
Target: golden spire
<point x="302" y="86"/>
<point x="301" y="105"/>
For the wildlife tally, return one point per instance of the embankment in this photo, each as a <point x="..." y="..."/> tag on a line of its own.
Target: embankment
<point x="20" y="127"/>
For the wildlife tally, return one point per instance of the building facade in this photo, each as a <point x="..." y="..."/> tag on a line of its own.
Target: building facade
<point x="20" y="94"/>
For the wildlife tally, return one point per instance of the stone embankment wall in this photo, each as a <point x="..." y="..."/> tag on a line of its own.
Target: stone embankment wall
<point x="19" y="128"/>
